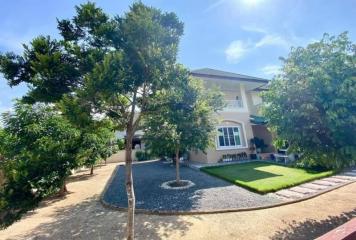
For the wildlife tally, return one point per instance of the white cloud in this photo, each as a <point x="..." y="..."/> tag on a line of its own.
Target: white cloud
<point x="236" y="50"/>
<point x="271" y="70"/>
<point x="214" y="5"/>
<point x="252" y="28"/>
<point x="273" y="40"/>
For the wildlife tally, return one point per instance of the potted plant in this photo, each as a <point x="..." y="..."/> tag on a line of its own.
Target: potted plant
<point x="252" y="148"/>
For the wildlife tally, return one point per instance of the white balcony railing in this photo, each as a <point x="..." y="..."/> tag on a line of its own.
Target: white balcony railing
<point x="232" y="105"/>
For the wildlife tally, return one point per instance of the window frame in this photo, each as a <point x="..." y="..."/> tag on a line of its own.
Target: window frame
<point x="240" y="129"/>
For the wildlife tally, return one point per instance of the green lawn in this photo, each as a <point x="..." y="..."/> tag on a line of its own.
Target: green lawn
<point x="264" y="177"/>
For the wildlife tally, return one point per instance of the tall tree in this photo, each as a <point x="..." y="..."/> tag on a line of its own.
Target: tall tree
<point x="123" y="84"/>
<point x="312" y="103"/>
<point x="114" y="64"/>
<point x="181" y="118"/>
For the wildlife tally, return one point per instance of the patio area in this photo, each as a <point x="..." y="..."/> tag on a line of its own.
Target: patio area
<point x="208" y="193"/>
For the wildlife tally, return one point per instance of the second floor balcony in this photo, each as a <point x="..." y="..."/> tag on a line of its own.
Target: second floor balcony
<point x="233" y="106"/>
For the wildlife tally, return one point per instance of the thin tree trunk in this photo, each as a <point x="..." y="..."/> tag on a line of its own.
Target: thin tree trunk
<point x="129" y="186"/>
<point x="130" y="131"/>
<point x="92" y="170"/>
<point x="63" y="190"/>
<point x="177" y="166"/>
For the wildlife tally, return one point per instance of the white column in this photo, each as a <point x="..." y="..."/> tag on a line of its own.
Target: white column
<point x="243" y="98"/>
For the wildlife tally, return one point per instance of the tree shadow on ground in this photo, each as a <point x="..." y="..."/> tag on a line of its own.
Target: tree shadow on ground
<point x="90" y="220"/>
<point x="311" y="229"/>
<point x="79" y="177"/>
<point x="254" y="175"/>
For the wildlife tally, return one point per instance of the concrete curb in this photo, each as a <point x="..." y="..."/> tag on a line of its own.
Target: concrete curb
<point x="201" y="212"/>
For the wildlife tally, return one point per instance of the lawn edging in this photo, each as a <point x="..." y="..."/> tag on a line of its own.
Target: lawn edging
<point x="201" y="212"/>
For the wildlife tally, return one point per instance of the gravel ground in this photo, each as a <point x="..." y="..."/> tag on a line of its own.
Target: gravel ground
<point x="80" y="215"/>
<point x="209" y="193"/>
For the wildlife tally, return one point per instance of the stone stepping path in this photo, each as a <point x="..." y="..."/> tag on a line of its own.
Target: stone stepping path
<point x="302" y="189"/>
<point x="316" y="186"/>
<point x="353" y="174"/>
<point x="345" y="177"/>
<point x="324" y="182"/>
<point x="286" y="193"/>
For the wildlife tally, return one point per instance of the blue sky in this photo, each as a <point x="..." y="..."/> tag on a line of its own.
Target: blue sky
<point x="242" y="36"/>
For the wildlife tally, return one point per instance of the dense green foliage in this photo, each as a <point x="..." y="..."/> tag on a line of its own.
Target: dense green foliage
<point x="96" y="133"/>
<point x="181" y="117"/>
<point x="111" y="66"/>
<point x="96" y="146"/>
<point x="312" y="103"/>
<point x="143" y="155"/>
<point x="120" y="144"/>
<point x="39" y="148"/>
<point x="264" y="177"/>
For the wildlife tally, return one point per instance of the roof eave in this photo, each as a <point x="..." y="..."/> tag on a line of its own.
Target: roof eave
<point x="230" y="78"/>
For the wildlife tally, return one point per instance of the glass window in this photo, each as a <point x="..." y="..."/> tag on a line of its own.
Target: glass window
<point x="229" y="137"/>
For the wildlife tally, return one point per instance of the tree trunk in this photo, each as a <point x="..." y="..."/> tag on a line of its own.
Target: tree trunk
<point x="177" y="166"/>
<point x="129" y="185"/>
<point x="63" y="190"/>
<point x="130" y="131"/>
<point x="92" y="170"/>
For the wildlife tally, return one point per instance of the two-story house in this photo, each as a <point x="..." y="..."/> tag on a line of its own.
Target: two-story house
<point x="238" y="121"/>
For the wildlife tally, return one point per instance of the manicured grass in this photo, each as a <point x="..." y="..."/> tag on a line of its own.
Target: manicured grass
<point x="264" y="177"/>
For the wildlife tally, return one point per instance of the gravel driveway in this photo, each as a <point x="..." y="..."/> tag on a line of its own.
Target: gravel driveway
<point x="209" y="193"/>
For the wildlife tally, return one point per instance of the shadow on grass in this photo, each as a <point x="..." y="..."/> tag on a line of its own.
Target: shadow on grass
<point x="90" y="220"/>
<point x="311" y="229"/>
<point x="245" y="172"/>
<point x="254" y="174"/>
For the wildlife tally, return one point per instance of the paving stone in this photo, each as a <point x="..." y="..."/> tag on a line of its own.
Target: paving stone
<point x="350" y="178"/>
<point x="302" y="190"/>
<point x="325" y="183"/>
<point x="313" y="186"/>
<point x="335" y="180"/>
<point x="290" y="194"/>
<point x="350" y="173"/>
<point x="274" y="195"/>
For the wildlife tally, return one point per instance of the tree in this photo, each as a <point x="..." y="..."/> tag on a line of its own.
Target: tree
<point x="312" y="103"/>
<point x="181" y="118"/>
<point x="96" y="146"/>
<point x="96" y="133"/>
<point x="46" y="66"/>
<point x="116" y="65"/>
<point x="39" y="148"/>
<point x="127" y="78"/>
<point x="54" y="70"/>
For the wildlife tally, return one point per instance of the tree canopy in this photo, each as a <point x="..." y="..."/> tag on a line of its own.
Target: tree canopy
<point x="39" y="148"/>
<point x="182" y="116"/>
<point x="312" y="103"/>
<point x="180" y="119"/>
<point x="113" y="65"/>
